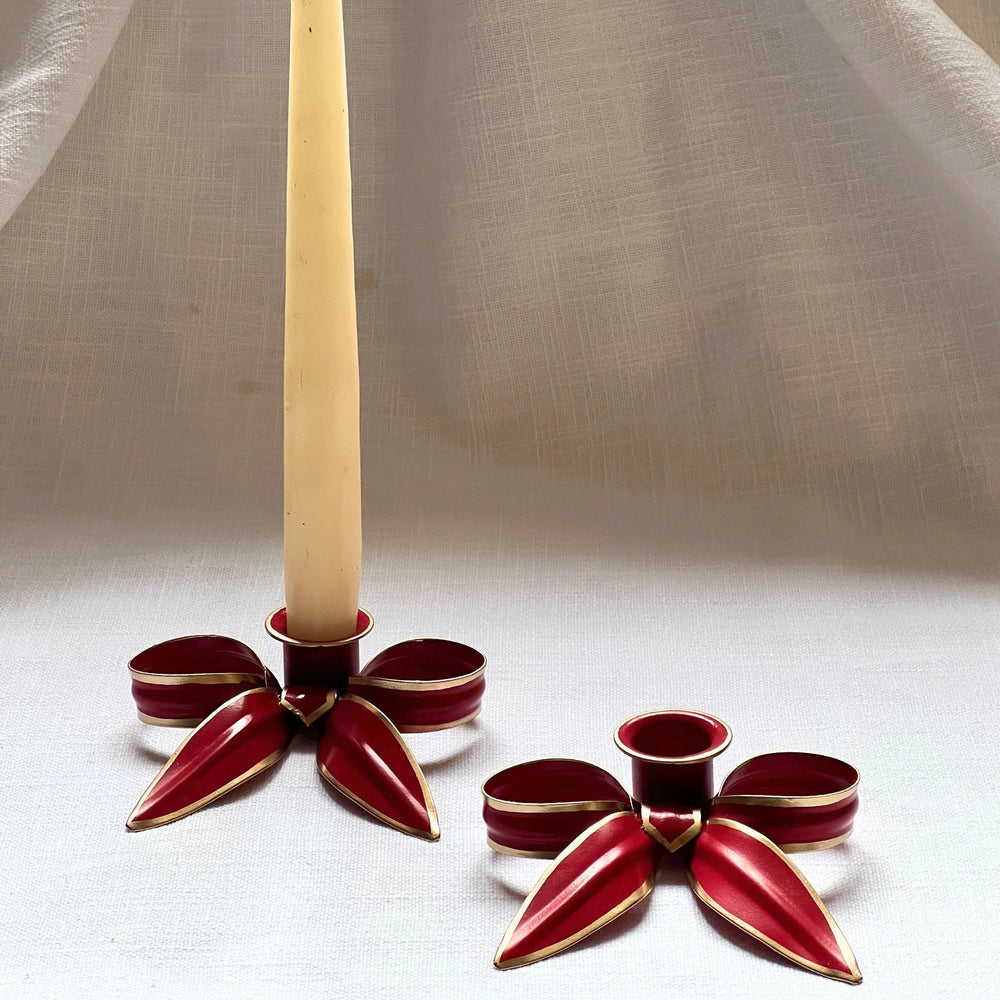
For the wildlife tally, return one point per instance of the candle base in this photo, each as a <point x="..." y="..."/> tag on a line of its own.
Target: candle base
<point x="607" y="845"/>
<point x="318" y="664"/>
<point x="246" y="721"/>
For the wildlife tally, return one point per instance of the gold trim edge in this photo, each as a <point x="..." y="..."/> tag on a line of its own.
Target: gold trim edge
<point x="847" y="952"/>
<point x="588" y="805"/>
<point x="537" y="956"/>
<point x="136" y="825"/>
<point x="174" y="680"/>
<point x="516" y="852"/>
<point x="815" y="845"/>
<point x="289" y="641"/>
<point x="437" y="727"/>
<point x="155" y="720"/>
<point x="387" y="684"/>
<point x="697" y="758"/>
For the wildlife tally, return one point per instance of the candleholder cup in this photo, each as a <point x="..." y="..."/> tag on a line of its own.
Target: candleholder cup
<point x="318" y="664"/>
<point x="672" y="753"/>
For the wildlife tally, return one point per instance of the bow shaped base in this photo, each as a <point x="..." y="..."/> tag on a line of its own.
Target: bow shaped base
<point x="246" y="721"/>
<point x="607" y="845"/>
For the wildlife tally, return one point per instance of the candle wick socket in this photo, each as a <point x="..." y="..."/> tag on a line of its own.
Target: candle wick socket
<point x="672" y="751"/>
<point x="318" y="664"/>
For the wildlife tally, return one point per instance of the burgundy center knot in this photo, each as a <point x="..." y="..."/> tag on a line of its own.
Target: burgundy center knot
<point x="607" y="844"/>
<point x="246" y="721"/>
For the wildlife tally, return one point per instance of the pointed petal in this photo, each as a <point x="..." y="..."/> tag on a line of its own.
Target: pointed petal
<point x="240" y="739"/>
<point x="747" y="879"/>
<point x="424" y="684"/>
<point x="606" y="870"/>
<point x="801" y="801"/>
<point x="535" y="809"/>
<point x="179" y="682"/>
<point x="362" y="754"/>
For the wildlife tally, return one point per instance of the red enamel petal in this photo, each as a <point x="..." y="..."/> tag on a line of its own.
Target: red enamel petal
<point x="425" y="684"/>
<point x="179" y="682"/>
<point x="606" y="870"/>
<point x="747" y="879"/>
<point x="539" y="807"/>
<point x="801" y="801"/>
<point x="240" y="739"/>
<point x="362" y="754"/>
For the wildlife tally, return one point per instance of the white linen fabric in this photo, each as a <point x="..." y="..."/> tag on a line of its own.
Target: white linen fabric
<point x="50" y="54"/>
<point x="678" y="332"/>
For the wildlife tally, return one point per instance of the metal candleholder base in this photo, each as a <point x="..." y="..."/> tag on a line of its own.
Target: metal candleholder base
<point x="246" y="721"/>
<point x="734" y="845"/>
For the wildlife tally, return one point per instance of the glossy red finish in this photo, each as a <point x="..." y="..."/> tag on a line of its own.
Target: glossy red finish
<point x="734" y="868"/>
<point x="672" y="752"/>
<point x="318" y="664"/>
<point x="428" y="683"/>
<point x="672" y="826"/>
<point x="424" y="684"/>
<point x="606" y="870"/>
<point x="539" y="807"/>
<point x="362" y="754"/>
<point x="214" y="667"/>
<point x="310" y="703"/>
<point x="795" y="799"/>
<point x="237" y="741"/>
<point x="749" y="880"/>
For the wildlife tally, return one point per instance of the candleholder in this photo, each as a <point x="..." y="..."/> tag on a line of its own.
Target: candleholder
<point x="607" y="844"/>
<point x="246" y="721"/>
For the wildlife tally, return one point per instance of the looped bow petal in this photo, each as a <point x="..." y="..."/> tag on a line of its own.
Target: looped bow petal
<point x="801" y="801"/>
<point x="180" y="682"/>
<point x="805" y="801"/>
<point x="247" y="723"/>
<point x="424" y="684"/>
<point x="536" y="809"/>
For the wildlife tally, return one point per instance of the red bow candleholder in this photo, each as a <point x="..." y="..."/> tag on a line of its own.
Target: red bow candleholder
<point x="734" y="845"/>
<point x="246" y="721"/>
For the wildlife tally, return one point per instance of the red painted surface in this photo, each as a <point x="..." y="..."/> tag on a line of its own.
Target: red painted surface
<point x="674" y="823"/>
<point x="751" y="880"/>
<point x="223" y="751"/>
<point x="609" y="868"/>
<point x="310" y="703"/>
<point x="318" y="664"/>
<point x="367" y="759"/>
<point x="546" y="783"/>
<point x="404" y="681"/>
<point x="735" y="869"/>
<point x="207" y="659"/>
<point x="228" y="746"/>
<point x="672" y="752"/>
<point x="793" y="779"/>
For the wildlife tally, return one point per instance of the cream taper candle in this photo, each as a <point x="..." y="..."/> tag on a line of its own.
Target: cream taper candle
<point x="322" y="419"/>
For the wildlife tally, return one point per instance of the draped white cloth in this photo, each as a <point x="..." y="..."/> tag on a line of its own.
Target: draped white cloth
<point x="678" y="336"/>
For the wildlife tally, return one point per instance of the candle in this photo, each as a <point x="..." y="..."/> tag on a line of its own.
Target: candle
<point x="322" y="419"/>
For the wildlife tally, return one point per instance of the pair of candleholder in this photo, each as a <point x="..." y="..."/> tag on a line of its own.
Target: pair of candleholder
<point x="605" y="843"/>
